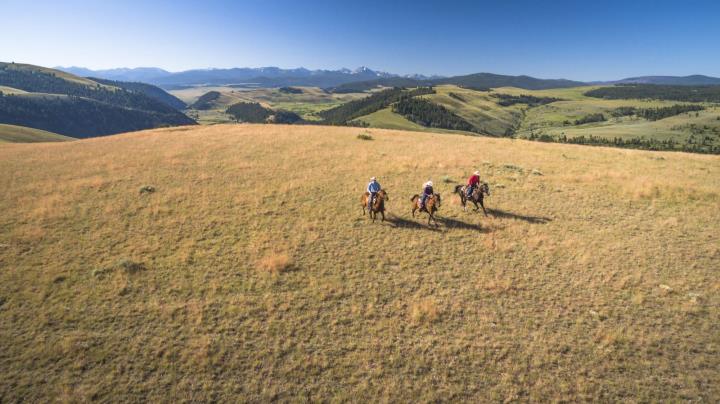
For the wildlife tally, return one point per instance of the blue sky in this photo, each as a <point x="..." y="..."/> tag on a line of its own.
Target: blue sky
<point x="582" y="40"/>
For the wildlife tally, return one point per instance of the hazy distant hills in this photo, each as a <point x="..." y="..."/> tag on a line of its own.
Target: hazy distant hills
<point x="346" y="80"/>
<point x="59" y="102"/>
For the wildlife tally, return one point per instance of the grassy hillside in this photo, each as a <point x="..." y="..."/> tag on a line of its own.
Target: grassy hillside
<point x="173" y="264"/>
<point x="59" y="102"/>
<point x="556" y="120"/>
<point x="21" y="134"/>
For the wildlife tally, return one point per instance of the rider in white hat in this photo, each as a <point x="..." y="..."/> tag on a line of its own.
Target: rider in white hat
<point x="427" y="191"/>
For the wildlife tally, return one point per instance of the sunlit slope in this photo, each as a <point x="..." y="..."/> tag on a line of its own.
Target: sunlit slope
<point x="21" y="134"/>
<point x="217" y="262"/>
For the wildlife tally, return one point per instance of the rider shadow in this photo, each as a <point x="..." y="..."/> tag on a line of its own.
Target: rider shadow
<point x="509" y="215"/>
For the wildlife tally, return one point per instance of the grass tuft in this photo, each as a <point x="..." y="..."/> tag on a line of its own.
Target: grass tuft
<point x="424" y="311"/>
<point x="275" y="263"/>
<point x="365" y="136"/>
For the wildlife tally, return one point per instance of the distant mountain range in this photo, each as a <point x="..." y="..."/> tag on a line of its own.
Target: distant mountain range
<point x="346" y="80"/>
<point x="241" y="76"/>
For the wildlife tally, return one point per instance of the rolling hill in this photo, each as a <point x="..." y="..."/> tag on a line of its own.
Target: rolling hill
<point x="21" y="134"/>
<point x="59" y="102"/>
<point x="173" y="265"/>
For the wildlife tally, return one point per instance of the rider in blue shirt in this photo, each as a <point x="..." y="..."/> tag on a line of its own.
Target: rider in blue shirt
<point x="373" y="188"/>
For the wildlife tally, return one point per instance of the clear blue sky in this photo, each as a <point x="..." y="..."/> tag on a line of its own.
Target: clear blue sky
<point x="583" y="40"/>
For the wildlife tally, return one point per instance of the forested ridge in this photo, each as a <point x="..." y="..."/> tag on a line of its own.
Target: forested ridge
<point x="344" y="113"/>
<point x="81" y="117"/>
<point x="76" y="107"/>
<point x="658" y="92"/>
<point x="149" y="90"/>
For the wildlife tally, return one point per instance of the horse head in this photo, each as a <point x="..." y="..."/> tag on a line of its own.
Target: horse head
<point x="437" y="197"/>
<point x="384" y="195"/>
<point x="485" y="188"/>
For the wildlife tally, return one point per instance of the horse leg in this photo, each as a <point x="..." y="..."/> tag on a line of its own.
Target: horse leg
<point x="382" y="212"/>
<point x="483" y="207"/>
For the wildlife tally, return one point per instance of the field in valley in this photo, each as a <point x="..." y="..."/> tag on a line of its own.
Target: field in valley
<point x="233" y="262"/>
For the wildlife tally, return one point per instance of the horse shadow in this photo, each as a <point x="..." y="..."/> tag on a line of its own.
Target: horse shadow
<point x="400" y="222"/>
<point x="510" y="215"/>
<point x="446" y="222"/>
<point x="459" y="224"/>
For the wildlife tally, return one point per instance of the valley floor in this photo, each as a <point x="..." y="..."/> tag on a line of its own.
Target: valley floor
<point x="232" y="262"/>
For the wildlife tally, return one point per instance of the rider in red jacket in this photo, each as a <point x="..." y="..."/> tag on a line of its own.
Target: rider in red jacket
<point x="473" y="181"/>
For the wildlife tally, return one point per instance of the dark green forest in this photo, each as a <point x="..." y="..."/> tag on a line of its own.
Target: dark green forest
<point x="658" y="92"/>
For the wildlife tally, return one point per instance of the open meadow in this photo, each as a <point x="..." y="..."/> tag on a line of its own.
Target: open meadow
<point x="233" y="263"/>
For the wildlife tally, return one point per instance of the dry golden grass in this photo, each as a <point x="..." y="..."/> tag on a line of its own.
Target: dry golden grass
<point x="597" y="280"/>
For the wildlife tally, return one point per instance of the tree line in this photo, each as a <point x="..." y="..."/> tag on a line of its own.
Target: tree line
<point x="658" y="92"/>
<point x="507" y="100"/>
<point x="655" y="114"/>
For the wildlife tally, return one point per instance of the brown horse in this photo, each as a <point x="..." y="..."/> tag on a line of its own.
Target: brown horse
<point x="378" y="204"/>
<point x="476" y="197"/>
<point x="432" y="203"/>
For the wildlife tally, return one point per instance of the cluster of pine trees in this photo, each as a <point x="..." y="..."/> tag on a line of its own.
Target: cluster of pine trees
<point x="251" y="112"/>
<point x="344" y="113"/>
<point x="658" y="92"/>
<point x="590" y="118"/>
<point x="426" y="113"/>
<point x="507" y="100"/>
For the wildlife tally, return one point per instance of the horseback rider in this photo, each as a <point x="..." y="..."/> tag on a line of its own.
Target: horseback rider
<point x="473" y="182"/>
<point x="373" y="188"/>
<point x="427" y="192"/>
